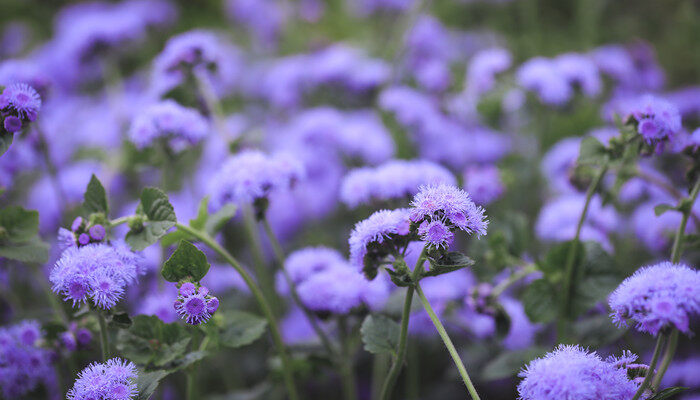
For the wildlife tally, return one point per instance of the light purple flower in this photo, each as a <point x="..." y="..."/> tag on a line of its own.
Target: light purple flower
<point x="541" y="75"/>
<point x="21" y="101"/>
<point x="24" y="364"/>
<point x="449" y="205"/>
<point x="483" y="183"/>
<point x="483" y="68"/>
<point x="179" y="126"/>
<point x="113" y="379"/>
<point x="657" y="119"/>
<point x="376" y="237"/>
<point x="194" y="304"/>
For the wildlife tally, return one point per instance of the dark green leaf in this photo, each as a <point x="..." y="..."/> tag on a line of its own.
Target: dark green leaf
<point x="216" y="221"/>
<point x="34" y="251"/>
<point x="540" y="302"/>
<point x="380" y="334"/>
<point x="120" y="320"/>
<point x="662" y="208"/>
<point x="160" y="217"/>
<point x="554" y="262"/>
<point x="202" y="215"/>
<point x="95" y="198"/>
<point x="448" y="262"/>
<point x="400" y="279"/>
<point x="668" y="393"/>
<point x="147" y="383"/>
<point x="150" y="341"/>
<point x="592" y="151"/>
<point x="20" y="224"/>
<point x="508" y="364"/>
<point x="595" y="278"/>
<point x="187" y="262"/>
<point x="241" y="329"/>
<point x="5" y="141"/>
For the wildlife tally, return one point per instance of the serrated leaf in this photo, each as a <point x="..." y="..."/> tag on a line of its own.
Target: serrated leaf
<point x="662" y="208"/>
<point x="187" y="262"/>
<point x="448" y="262"/>
<point x="147" y="383"/>
<point x="380" y="334"/>
<point x="20" y="224"/>
<point x="241" y="329"/>
<point x="591" y="152"/>
<point x="667" y="393"/>
<point x="5" y="141"/>
<point x="540" y="302"/>
<point x="216" y="221"/>
<point x="151" y="341"/>
<point x="160" y="217"/>
<point x="34" y="251"/>
<point x="508" y="364"/>
<point x="95" y="197"/>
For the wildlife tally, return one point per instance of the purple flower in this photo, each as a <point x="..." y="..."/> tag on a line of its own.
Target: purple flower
<point x="436" y="233"/>
<point x="579" y="70"/>
<point x="393" y="180"/>
<point x="377" y="237"/>
<point x="366" y="7"/>
<point x="303" y="263"/>
<point x="24" y="71"/>
<point x="451" y="206"/>
<point x="263" y="18"/>
<point x="542" y="76"/>
<point x="336" y="290"/>
<point x="656" y="231"/>
<point x="194" y="304"/>
<point x="20" y="100"/>
<point x="657" y="119"/>
<point x="99" y="272"/>
<point x="23" y="363"/>
<point x="483" y="68"/>
<point x="97" y="232"/>
<point x="113" y="379"/>
<point x="658" y="297"/>
<point x="252" y="175"/>
<point x="570" y="372"/>
<point x="179" y="126"/>
<point x="484" y="184"/>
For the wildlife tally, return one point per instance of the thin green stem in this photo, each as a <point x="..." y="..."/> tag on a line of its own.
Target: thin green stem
<point x="104" y="335"/>
<point x="279" y="257"/>
<point x="211" y="100"/>
<point x="570" y="266"/>
<point x="680" y="233"/>
<point x="652" y="366"/>
<point x="448" y="343"/>
<point x="398" y="361"/>
<point x="666" y="360"/>
<point x="262" y="302"/>
<point x="119" y="221"/>
<point x="380" y="365"/>
<point x="512" y="279"/>
<point x="189" y="384"/>
<point x="265" y="276"/>
<point x="346" y="361"/>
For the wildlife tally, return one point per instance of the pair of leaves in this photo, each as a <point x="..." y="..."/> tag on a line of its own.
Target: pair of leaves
<point x="186" y="263"/>
<point x="158" y="215"/>
<point x="209" y="223"/>
<point x="380" y="334"/>
<point x="19" y="236"/>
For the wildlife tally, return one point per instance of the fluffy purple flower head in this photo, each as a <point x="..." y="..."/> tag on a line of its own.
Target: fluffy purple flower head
<point x="656" y="118"/>
<point x="483" y="68"/>
<point x="451" y="206"/>
<point x="336" y="290"/>
<point x="194" y="304"/>
<point x="23" y="363"/>
<point x="436" y="233"/>
<point x="99" y="272"/>
<point x="579" y="70"/>
<point x="12" y="124"/>
<point x="570" y="372"/>
<point x="377" y="237"/>
<point x="308" y="261"/>
<point x="97" y="232"/>
<point x="483" y="183"/>
<point x="179" y="126"/>
<point x="541" y="75"/>
<point x="657" y="297"/>
<point x="114" y="379"/>
<point x="393" y="180"/>
<point x="252" y="175"/>
<point x="20" y="100"/>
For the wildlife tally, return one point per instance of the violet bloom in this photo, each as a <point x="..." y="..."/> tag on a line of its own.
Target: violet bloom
<point x="19" y="103"/>
<point x="24" y="364"/>
<point x="483" y="183"/>
<point x="483" y="68"/>
<point x="570" y="372"/>
<point x="252" y="175"/>
<point x="113" y="379"/>
<point x="24" y="71"/>
<point x="178" y="126"/>
<point x="264" y="19"/>
<point x="656" y="119"/>
<point x="438" y="210"/>
<point x="368" y="7"/>
<point x="393" y="180"/>
<point x="656" y="232"/>
<point x="303" y="263"/>
<point x="580" y="71"/>
<point x="98" y="272"/>
<point x="541" y="75"/>
<point x="658" y="297"/>
<point x="160" y="304"/>
<point x="194" y="304"/>
<point x="383" y="234"/>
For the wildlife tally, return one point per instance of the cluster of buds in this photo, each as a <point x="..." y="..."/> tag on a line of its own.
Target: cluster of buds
<point x="75" y="338"/>
<point x="85" y="234"/>
<point x="19" y="104"/>
<point x="194" y="304"/>
<point x="481" y="300"/>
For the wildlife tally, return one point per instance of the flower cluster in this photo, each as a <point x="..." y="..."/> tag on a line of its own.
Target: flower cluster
<point x="483" y="183"/>
<point x="80" y="235"/>
<point x="438" y="210"/>
<point x="179" y="126"/>
<point x="384" y="233"/>
<point x="113" y="379"/>
<point x="656" y="297"/>
<point x="75" y="338"/>
<point x="194" y="304"/>
<point x="656" y="119"/>
<point x="23" y="363"/>
<point x="99" y="272"/>
<point x="570" y="372"/>
<point x="19" y="104"/>
<point x="393" y="180"/>
<point x="554" y="80"/>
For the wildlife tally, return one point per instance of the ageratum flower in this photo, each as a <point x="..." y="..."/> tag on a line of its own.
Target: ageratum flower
<point x="483" y="183"/>
<point x="252" y="175"/>
<point x="439" y="209"/>
<point x="483" y="68"/>
<point x="570" y="372"/>
<point x="99" y="272"/>
<point x="384" y="233"/>
<point x="580" y="71"/>
<point x="23" y="363"/>
<point x="19" y="103"/>
<point x="113" y="379"/>
<point x="541" y="75"/>
<point x="393" y="180"/>
<point x="194" y="304"/>
<point x="303" y="263"/>
<point x="657" y="297"/>
<point x="179" y="126"/>
<point x="657" y="120"/>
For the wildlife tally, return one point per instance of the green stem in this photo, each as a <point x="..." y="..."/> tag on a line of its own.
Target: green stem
<point x="189" y="384"/>
<point x="680" y="233"/>
<point x="104" y="335"/>
<point x="652" y="366"/>
<point x="119" y="221"/>
<point x="666" y="360"/>
<point x="279" y="256"/>
<point x="513" y="278"/>
<point x="380" y="365"/>
<point x="398" y="361"/>
<point x="263" y="273"/>
<point x="262" y="302"/>
<point x="213" y="106"/>
<point x="346" y="361"/>
<point x="570" y="266"/>
<point x="448" y="343"/>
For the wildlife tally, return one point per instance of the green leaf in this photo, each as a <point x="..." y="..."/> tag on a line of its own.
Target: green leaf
<point x="380" y="334"/>
<point x="400" y="279"/>
<point x="509" y="363"/>
<point x="151" y="341"/>
<point x="447" y="263"/>
<point x="20" y="224"/>
<point x="160" y="217"/>
<point x="5" y="141"/>
<point x="147" y="383"/>
<point x="216" y="221"/>
<point x="540" y="302"/>
<point x="662" y="208"/>
<point x="592" y="152"/>
<point x="34" y="251"/>
<point x="241" y="329"/>
<point x="120" y="320"/>
<point x="667" y="393"/>
<point x="596" y="331"/>
<point x="95" y="198"/>
<point x="554" y="262"/>
<point x="202" y="215"/>
<point x="595" y="278"/>
<point x="187" y="262"/>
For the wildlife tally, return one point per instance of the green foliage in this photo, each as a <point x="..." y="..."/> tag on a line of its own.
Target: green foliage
<point x="95" y="197"/>
<point x="241" y="329"/>
<point x="186" y="263"/>
<point x="380" y="334"/>
<point x="18" y="236"/>
<point x="668" y="393"/>
<point x="508" y="364"/>
<point x="209" y="223"/>
<point x="159" y="216"/>
<point x="153" y="343"/>
<point x="540" y="301"/>
<point x="147" y="383"/>
<point x="592" y="152"/>
<point x="448" y="262"/>
<point x="5" y="141"/>
<point x="596" y="331"/>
